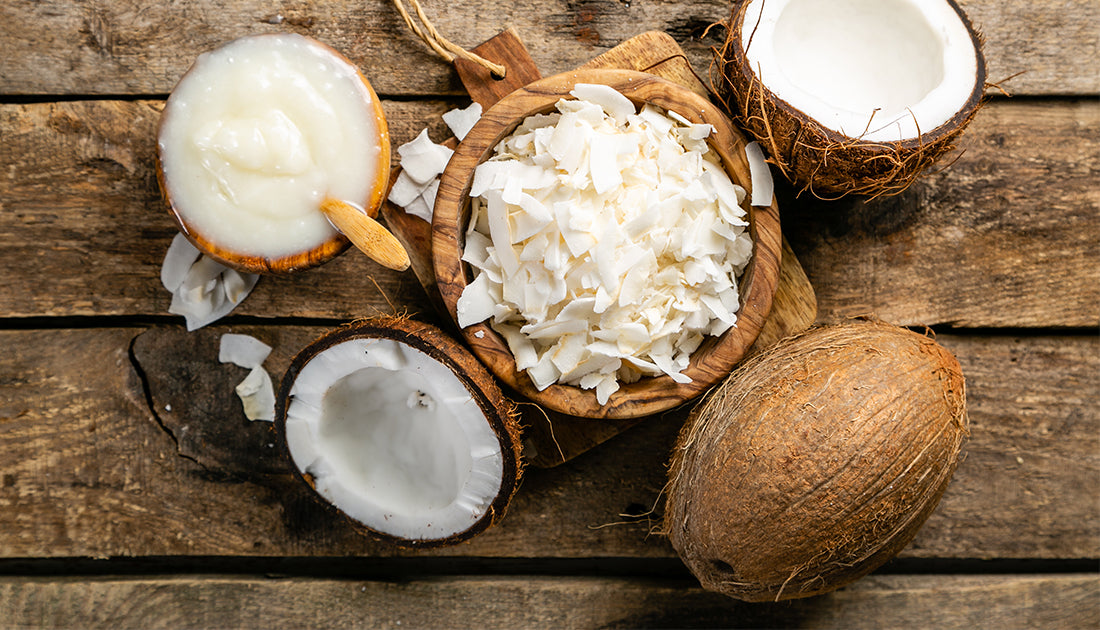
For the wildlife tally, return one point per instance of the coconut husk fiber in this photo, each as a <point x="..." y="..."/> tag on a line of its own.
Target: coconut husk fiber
<point x="816" y="461"/>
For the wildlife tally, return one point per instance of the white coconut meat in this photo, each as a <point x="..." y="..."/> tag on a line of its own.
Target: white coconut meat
<point x="879" y="70"/>
<point x="763" y="186"/>
<point x="257" y="395"/>
<point x="393" y="439"/>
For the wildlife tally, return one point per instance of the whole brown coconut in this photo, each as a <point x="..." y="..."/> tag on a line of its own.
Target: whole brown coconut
<point x="808" y="149"/>
<point x="816" y="461"/>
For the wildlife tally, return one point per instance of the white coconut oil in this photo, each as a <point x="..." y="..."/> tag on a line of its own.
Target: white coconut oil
<point x="258" y="133"/>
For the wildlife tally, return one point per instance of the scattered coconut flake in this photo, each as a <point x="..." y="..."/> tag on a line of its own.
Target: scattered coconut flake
<point x="256" y="391"/>
<point x="604" y="243"/>
<point x="236" y="285"/>
<point x="243" y="350"/>
<point x="420" y="208"/>
<point x="405" y="190"/>
<point x="611" y="100"/>
<point x="257" y="394"/>
<point x="680" y="118"/>
<point x="430" y="193"/>
<point x="207" y="290"/>
<point x="177" y="262"/>
<point x="477" y="303"/>
<point x="423" y="159"/>
<point x="461" y="121"/>
<point x="422" y="162"/>
<point x="763" y="188"/>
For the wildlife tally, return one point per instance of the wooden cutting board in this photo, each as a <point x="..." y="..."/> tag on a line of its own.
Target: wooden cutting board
<point x="552" y="438"/>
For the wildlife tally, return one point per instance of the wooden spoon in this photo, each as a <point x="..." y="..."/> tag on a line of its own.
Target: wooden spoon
<point x="366" y="234"/>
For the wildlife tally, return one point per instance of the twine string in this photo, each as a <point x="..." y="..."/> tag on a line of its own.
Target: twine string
<point x="442" y="46"/>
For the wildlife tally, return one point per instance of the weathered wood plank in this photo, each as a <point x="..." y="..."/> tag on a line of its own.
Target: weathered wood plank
<point x="84" y="231"/>
<point x="94" y="467"/>
<point x="1004" y="602"/>
<point x="1007" y="236"/>
<point x="129" y="47"/>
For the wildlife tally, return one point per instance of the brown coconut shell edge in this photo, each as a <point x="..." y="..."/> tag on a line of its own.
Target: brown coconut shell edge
<point x="827" y="164"/>
<point x="500" y="412"/>
<point x="748" y="385"/>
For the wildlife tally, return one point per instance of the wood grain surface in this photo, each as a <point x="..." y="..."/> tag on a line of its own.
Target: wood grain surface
<point x="943" y="252"/>
<point x="1002" y="602"/>
<point x="1007" y="236"/>
<point x="57" y="47"/>
<point x="131" y="442"/>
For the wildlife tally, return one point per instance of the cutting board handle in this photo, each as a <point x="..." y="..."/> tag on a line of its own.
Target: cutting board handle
<point x="507" y="50"/>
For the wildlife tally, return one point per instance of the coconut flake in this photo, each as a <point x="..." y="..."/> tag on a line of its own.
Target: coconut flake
<point x="607" y="386"/>
<point x="256" y="391"/>
<point x="678" y="117"/>
<point x="177" y="262"/>
<point x="461" y="121"/>
<point x="405" y="190"/>
<point x="611" y="100"/>
<point x="429" y="195"/>
<point x="257" y="394"/>
<point x="423" y="159"/>
<point x="242" y="350"/>
<point x="594" y="241"/>
<point x="420" y="208"/>
<point x="236" y="285"/>
<point x="763" y="188"/>
<point x="207" y="290"/>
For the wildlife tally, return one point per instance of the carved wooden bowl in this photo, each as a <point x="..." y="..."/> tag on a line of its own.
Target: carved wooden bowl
<point x="714" y="359"/>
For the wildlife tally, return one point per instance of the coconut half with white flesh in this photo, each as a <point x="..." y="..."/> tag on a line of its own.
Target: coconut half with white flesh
<point x="398" y="427"/>
<point x="851" y="96"/>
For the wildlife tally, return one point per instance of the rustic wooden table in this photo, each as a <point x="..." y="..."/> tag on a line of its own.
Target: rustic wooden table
<point x="133" y="492"/>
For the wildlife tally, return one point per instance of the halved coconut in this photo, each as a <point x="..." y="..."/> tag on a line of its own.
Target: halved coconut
<point x="398" y="427"/>
<point x="851" y="96"/>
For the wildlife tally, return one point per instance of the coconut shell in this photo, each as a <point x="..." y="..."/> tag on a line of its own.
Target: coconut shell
<point x="814" y="158"/>
<point x="816" y="461"/>
<point x="500" y="412"/>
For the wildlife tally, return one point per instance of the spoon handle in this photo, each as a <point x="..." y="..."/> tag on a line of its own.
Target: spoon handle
<point x="366" y="234"/>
